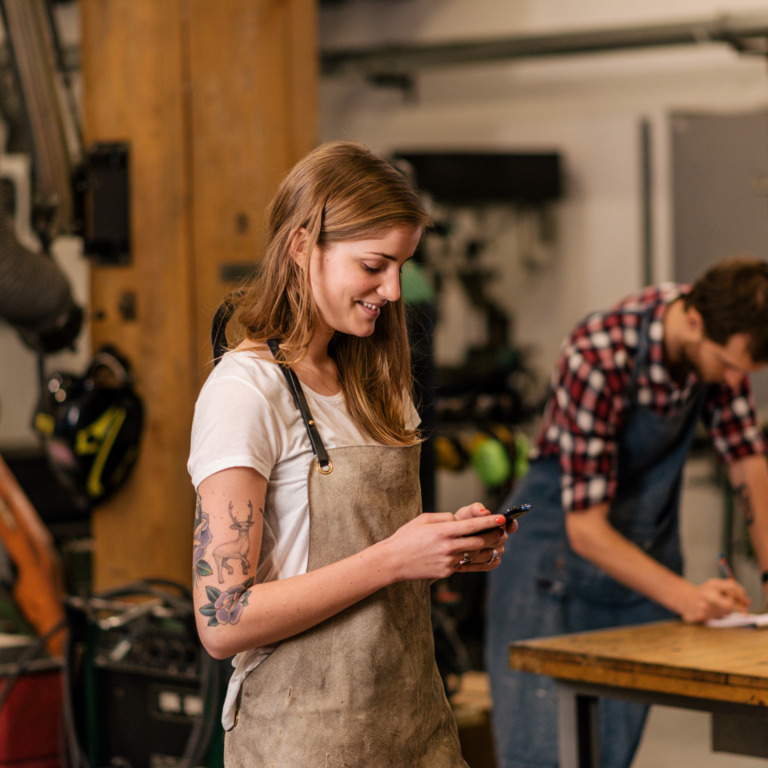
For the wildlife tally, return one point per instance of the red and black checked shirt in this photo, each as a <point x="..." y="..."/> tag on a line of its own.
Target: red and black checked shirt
<point x="589" y="398"/>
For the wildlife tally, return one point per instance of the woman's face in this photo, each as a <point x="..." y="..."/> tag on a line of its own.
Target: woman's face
<point x="353" y="279"/>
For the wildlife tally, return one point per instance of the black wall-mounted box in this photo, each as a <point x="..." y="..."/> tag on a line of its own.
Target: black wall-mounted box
<point x="467" y="178"/>
<point x="103" y="203"/>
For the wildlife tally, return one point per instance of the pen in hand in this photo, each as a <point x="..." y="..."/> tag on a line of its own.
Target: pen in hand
<point x="727" y="573"/>
<point x="725" y="569"/>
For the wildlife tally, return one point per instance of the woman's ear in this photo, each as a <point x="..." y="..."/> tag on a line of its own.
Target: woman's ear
<point x="299" y="246"/>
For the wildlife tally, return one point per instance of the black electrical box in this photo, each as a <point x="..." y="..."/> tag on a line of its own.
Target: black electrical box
<point x="57" y="508"/>
<point x="475" y="178"/>
<point x="103" y="203"/>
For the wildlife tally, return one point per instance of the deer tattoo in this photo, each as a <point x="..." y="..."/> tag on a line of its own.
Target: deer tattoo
<point x="237" y="548"/>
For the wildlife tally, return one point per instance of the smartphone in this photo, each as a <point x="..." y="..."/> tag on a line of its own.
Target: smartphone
<point x="509" y="515"/>
<point x="514" y="512"/>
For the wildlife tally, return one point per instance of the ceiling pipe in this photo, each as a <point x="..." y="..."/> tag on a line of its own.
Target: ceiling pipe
<point x="747" y="34"/>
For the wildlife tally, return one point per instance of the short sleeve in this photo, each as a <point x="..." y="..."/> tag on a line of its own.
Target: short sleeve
<point x="233" y="426"/>
<point x="730" y="416"/>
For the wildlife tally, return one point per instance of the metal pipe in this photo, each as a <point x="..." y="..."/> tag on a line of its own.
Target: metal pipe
<point x="32" y="51"/>
<point x="745" y="33"/>
<point x="646" y="198"/>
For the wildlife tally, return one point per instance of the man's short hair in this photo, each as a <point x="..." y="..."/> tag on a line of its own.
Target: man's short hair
<point x="732" y="298"/>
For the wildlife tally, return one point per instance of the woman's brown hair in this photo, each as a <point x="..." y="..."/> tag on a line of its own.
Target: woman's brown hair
<point x="338" y="192"/>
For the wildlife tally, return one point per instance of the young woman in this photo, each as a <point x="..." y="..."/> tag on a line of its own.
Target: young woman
<point x="312" y="560"/>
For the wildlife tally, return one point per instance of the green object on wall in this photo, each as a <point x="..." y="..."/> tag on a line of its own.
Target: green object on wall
<point x="415" y="285"/>
<point x="491" y="462"/>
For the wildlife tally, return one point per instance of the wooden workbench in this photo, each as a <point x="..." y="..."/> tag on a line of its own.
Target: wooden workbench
<point x="722" y="671"/>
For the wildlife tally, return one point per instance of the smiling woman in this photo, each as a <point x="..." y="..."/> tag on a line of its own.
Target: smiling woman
<point x="352" y="282"/>
<point x="311" y="490"/>
<point x="325" y="228"/>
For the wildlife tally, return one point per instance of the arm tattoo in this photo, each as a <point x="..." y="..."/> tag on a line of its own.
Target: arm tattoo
<point x="202" y="538"/>
<point x="223" y="607"/>
<point x="744" y="503"/>
<point x="227" y="606"/>
<point x="237" y="548"/>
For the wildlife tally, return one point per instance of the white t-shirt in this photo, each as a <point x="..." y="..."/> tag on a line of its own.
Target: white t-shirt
<point x="245" y="416"/>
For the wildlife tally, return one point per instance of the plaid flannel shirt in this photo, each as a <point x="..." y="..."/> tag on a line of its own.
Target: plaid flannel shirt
<point x="589" y="399"/>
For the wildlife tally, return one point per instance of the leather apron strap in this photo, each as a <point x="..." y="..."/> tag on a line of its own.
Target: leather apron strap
<point x="324" y="465"/>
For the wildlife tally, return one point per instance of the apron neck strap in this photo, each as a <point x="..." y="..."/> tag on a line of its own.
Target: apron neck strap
<point x="323" y="463"/>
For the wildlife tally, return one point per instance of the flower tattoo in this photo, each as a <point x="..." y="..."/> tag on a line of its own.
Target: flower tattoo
<point x="227" y="606"/>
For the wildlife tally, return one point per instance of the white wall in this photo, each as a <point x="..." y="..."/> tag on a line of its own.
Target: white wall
<point x="588" y="107"/>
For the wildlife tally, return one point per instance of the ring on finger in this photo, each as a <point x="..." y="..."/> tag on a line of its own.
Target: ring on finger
<point x="466" y="559"/>
<point x="494" y="557"/>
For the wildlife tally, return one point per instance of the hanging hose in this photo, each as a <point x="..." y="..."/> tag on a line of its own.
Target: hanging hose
<point x="35" y="297"/>
<point x="32" y="43"/>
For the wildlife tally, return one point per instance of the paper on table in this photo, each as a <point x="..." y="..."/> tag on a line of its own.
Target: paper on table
<point x="737" y="619"/>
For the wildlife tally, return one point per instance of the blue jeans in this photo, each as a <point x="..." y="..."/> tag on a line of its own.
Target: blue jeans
<point x="541" y="588"/>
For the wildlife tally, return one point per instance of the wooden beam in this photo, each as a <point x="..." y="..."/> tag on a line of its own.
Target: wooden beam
<point x="216" y="99"/>
<point x="253" y="113"/>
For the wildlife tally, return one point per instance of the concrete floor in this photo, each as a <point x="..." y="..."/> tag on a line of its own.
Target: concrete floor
<point x="678" y="737"/>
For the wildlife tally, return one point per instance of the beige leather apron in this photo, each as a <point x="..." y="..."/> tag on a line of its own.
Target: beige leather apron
<point x="362" y="689"/>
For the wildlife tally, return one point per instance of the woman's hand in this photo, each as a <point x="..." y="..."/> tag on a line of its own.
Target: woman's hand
<point x="478" y="510"/>
<point x="492" y="540"/>
<point x="434" y="545"/>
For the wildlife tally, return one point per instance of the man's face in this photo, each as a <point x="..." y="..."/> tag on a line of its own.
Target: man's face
<point x="722" y="363"/>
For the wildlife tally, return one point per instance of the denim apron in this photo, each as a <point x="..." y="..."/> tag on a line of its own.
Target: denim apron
<point x="543" y="588"/>
<point x="362" y="688"/>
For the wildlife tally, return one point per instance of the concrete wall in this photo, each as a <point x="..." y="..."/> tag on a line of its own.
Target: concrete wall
<point x="588" y="107"/>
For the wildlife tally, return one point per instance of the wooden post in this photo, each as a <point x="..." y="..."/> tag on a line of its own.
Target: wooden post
<point x="216" y="100"/>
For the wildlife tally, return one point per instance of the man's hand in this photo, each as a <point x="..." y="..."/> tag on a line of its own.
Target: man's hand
<point x="713" y="599"/>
